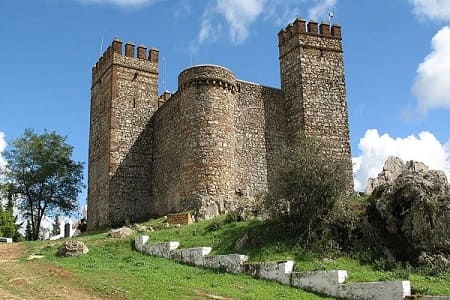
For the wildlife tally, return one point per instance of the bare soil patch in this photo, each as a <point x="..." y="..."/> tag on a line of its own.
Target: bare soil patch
<point x="32" y="279"/>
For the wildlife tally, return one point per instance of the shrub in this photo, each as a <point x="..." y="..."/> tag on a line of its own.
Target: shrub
<point x="7" y="227"/>
<point x="308" y="184"/>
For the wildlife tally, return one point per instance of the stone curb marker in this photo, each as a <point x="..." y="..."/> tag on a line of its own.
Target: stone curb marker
<point x="5" y="240"/>
<point x="330" y="283"/>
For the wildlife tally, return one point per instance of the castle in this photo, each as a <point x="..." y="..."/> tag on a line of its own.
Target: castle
<point x="213" y="140"/>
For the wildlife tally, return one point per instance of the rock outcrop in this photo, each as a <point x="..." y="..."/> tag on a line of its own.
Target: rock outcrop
<point x="392" y="168"/>
<point x="411" y="211"/>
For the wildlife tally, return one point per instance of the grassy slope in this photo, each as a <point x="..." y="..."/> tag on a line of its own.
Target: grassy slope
<point x="113" y="268"/>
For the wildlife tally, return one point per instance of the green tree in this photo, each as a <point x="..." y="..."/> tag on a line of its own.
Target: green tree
<point x="308" y="184"/>
<point x="28" y="232"/>
<point x="7" y="228"/>
<point x="45" y="178"/>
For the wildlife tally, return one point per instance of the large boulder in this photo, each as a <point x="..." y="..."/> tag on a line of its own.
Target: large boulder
<point x="120" y="233"/>
<point x="392" y="168"/>
<point x="411" y="213"/>
<point x="72" y="248"/>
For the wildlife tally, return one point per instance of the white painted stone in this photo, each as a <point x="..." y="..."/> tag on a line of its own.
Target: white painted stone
<point x="140" y="241"/>
<point x="330" y="283"/>
<point x="231" y="263"/>
<point x="5" y="240"/>
<point x="161" y="249"/>
<point x="433" y="298"/>
<point x="193" y="256"/>
<point x="383" y="290"/>
<point x="323" y="282"/>
<point x="277" y="271"/>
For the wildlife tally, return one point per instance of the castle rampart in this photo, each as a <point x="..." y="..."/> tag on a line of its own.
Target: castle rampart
<point x="212" y="145"/>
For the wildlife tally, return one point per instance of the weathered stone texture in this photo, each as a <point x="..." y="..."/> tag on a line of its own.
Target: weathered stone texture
<point x="215" y="140"/>
<point x="312" y="79"/>
<point x="124" y="96"/>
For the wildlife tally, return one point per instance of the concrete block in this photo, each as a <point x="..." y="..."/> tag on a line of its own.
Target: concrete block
<point x="231" y="263"/>
<point x="194" y="256"/>
<point x="278" y="271"/>
<point x="323" y="282"/>
<point x="383" y="290"/>
<point x="5" y="240"/>
<point x="140" y="241"/>
<point x="161" y="249"/>
<point x="427" y="298"/>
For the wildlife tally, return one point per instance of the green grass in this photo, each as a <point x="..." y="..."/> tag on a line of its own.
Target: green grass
<point x="113" y="268"/>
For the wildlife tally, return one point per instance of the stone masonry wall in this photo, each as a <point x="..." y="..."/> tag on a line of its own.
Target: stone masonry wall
<point x="212" y="140"/>
<point x="197" y="163"/>
<point x="124" y="96"/>
<point x="168" y="153"/>
<point x="312" y="73"/>
<point x="260" y="134"/>
<point x="98" y="187"/>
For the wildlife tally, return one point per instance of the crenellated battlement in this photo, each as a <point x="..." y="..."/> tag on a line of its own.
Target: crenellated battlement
<point x="207" y="75"/>
<point x="116" y="49"/>
<point x="312" y="28"/>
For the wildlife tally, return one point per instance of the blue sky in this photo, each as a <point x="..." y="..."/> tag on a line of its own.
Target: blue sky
<point x="396" y="52"/>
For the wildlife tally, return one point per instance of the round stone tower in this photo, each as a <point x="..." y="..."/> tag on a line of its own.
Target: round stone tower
<point x="208" y="101"/>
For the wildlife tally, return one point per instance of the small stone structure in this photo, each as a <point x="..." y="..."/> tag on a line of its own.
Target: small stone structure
<point x="215" y="139"/>
<point x="5" y="240"/>
<point x="330" y="283"/>
<point x="181" y="218"/>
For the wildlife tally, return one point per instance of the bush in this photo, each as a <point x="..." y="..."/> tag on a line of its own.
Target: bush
<point x="308" y="184"/>
<point x="7" y="227"/>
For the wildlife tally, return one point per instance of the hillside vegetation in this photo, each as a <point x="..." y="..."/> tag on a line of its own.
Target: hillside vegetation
<point x="113" y="269"/>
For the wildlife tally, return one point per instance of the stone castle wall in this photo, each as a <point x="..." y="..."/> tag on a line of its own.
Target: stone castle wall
<point x="216" y="133"/>
<point x="124" y="97"/>
<point x="215" y="140"/>
<point x="312" y="68"/>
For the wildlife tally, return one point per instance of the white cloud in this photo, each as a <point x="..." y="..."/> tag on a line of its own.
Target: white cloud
<point x="438" y="10"/>
<point x="375" y="149"/>
<point x="2" y="148"/>
<point x="183" y="9"/>
<point x="209" y="30"/>
<point x="432" y="88"/>
<point x="321" y="9"/>
<point x="238" y="15"/>
<point x="121" y="3"/>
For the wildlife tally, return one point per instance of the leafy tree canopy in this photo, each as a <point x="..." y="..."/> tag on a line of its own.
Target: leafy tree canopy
<point x="308" y="185"/>
<point x="42" y="176"/>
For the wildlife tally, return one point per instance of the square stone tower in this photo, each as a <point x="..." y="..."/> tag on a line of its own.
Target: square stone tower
<point x="313" y="85"/>
<point x="124" y="96"/>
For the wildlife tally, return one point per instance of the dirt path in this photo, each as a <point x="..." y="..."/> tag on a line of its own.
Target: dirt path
<point x="31" y="279"/>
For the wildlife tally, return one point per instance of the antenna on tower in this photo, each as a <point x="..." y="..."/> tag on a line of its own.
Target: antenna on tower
<point x="330" y="16"/>
<point x="165" y="73"/>
<point x="101" y="46"/>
